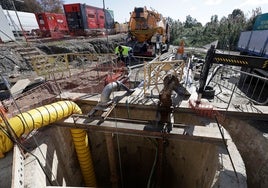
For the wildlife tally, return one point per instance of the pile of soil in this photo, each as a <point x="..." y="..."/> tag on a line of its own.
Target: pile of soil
<point x="11" y="61"/>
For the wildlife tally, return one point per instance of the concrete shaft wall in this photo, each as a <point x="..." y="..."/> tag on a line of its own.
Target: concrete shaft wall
<point x="58" y="159"/>
<point x="183" y="164"/>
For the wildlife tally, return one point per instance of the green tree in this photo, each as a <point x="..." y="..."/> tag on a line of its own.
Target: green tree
<point x="176" y="31"/>
<point x="236" y="23"/>
<point x="226" y="30"/>
<point x="211" y="27"/>
<point x="191" y="22"/>
<point x="6" y="4"/>
<point x="251" y="21"/>
<point x="52" y="5"/>
<point x="31" y="6"/>
<point x="223" y="34"/>
<point x="21" y="5"/>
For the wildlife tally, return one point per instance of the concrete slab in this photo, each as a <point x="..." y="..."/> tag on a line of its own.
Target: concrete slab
<point x="19" y="86"/>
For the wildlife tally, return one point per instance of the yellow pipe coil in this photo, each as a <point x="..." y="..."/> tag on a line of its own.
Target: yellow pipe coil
<point x="45" y="115"/>
<point x="83" y="153"/>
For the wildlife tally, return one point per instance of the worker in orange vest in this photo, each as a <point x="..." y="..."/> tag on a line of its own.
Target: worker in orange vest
<point x="180" y="50"/>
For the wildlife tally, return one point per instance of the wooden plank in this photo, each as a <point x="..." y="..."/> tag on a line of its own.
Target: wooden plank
<point x="132" y="106"/>
<point x="136" y="128"/>
<point x="109" y="109"/>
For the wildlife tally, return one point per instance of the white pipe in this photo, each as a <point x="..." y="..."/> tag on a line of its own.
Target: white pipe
<point x="109" y="88"/>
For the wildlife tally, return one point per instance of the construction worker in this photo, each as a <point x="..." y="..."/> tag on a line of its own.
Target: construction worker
<point x="180" y="51"/>
<point x="124" y="53"/>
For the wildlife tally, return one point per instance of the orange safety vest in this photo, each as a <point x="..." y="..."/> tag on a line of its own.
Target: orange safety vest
<point x="181" y="48"/>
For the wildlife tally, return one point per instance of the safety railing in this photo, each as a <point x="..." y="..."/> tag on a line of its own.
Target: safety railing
<point x="236" y="82"/>
<point x="59" y="65"/>
<point x="155" y="72"/>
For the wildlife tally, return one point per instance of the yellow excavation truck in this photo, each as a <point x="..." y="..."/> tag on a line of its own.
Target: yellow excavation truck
<point x="148" y="32"/>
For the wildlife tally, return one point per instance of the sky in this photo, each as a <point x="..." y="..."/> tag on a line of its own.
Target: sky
<point x="201" y="10"/>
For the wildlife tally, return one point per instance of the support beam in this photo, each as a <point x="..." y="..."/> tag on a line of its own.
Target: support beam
<point x="138" y="108"/>
<point x="136" y="128"/>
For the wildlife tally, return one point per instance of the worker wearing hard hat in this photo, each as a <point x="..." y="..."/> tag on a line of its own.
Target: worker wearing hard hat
<point x="123" y="53"/>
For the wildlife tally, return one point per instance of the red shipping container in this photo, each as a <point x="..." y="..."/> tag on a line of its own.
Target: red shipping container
<point x="52" y="24"/>
<point x="83" y="19"/>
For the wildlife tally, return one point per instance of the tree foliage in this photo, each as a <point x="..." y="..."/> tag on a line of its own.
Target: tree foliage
<point x="226" y="30"/>
<point x="33" y="5"/>
<point x="7" y="4"/>
<point x="52" y="5"/>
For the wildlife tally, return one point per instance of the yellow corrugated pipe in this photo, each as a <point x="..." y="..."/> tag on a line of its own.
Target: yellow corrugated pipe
<point x="83" y="153"/>
<point x="45" y="115"/>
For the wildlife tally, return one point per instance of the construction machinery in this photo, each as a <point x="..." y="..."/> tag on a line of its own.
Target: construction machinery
<point x="148" y="32"/>
<point x="243" y="61"/>
<point x="255" y="42"/>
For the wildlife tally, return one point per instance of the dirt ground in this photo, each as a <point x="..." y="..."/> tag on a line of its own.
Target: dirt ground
<point x="84" y="78"/>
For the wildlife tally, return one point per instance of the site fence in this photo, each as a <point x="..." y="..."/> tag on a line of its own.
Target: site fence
<point x="243" y="84"/>
<point x="60" y="65"/>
